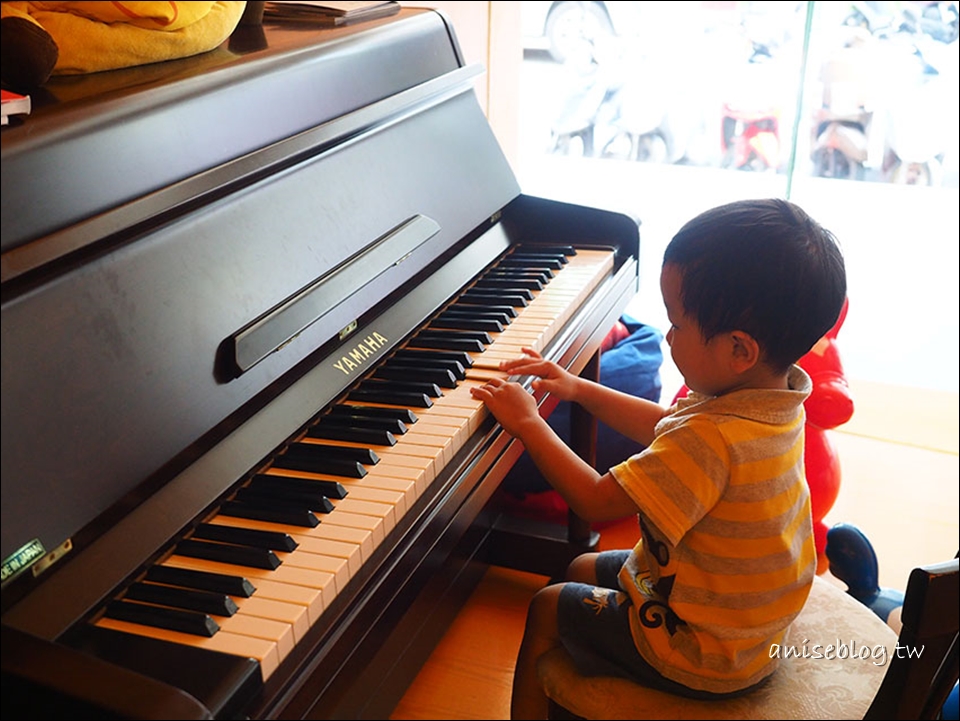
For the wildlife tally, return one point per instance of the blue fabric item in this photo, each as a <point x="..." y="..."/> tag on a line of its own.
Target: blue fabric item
<point x="951" y="707"/>
<point x="631" y="366"/>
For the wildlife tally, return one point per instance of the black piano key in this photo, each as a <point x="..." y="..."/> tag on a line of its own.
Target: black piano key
<point x="543" y="270"/>
<point x="172" y="619"/>
<point x="295" y="517"/>
<point x="204" y="580"/>
<point x="441" y="377"/>
<point x="396" y="427"/>
<point x="347" y="469"/>
<point x="545" y="274"/>
<point x="512" y="285"/>
<point x="490" y="326"/>
<point x="467" y="345"/>
<point x="505" y="279"/>
<point x="285" y="498"/>
<point x="274" y="540"/>
<point x="478" y="312"/>
<point x="431" y="390"/>
<point x="299" y="457"/>
<point x="507" y="310"/>
<point x="484" y="296"/>
<point x="330" y="489"/>
<point x="458" y="321"/>
<point x="531" y="258"/>
<point x="531" y="262"/>
<point x="478" y="335"/>
<point x="397" y="398"/>
<point x="530" y="249"/>
<point x="542" y="276"/>
<point x="217" y="604"/>
<point x="458" y="371"/>
<point x="363" y="435"/>
<point x="464" y="359"/>
<point x="228" y="553"/>
<point x="365" y="456"/>
<point x="403" y="414"/>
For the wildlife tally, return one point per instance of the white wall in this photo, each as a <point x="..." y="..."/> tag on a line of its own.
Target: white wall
<point x="480" y="27"/>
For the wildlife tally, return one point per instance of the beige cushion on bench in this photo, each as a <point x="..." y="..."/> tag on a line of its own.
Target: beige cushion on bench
<point x="802" y="688"/>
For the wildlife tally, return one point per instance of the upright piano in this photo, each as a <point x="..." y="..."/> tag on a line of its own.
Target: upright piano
<point x="244" y="297"/>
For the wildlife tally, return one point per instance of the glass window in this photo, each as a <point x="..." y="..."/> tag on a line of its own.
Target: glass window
<point x="661" y="110"/>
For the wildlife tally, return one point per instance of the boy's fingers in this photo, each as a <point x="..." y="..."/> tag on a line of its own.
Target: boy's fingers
<point x="526" y="364"/>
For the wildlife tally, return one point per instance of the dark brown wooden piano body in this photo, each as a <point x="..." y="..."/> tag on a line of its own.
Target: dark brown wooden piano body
<point x="188" y="249"/>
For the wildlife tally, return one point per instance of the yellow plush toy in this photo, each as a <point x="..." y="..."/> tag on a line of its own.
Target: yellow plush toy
<point x="40" y="39"/>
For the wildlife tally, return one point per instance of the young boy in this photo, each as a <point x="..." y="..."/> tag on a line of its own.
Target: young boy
<point x="726" y="555"/>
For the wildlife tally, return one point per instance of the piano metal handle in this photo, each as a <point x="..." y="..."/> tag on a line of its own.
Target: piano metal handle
<point x="280" y="325"/>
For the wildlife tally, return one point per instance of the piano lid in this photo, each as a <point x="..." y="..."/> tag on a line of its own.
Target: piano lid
<point x="190" y="236"/>
<point x="135" y="130"/>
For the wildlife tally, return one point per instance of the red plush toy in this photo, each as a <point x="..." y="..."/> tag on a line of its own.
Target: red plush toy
<point x="828" y="406"/>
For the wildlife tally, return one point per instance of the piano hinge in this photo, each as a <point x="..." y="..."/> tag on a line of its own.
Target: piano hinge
<point x="350" y="327"/>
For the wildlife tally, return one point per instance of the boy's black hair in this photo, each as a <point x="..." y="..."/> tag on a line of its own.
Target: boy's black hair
<point x="764" y="267"/>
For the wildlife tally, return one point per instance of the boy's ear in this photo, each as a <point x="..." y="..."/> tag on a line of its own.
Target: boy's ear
<point x="745" y="351"/>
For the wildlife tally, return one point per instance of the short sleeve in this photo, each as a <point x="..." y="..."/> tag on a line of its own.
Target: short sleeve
<point x="679" y="478"/>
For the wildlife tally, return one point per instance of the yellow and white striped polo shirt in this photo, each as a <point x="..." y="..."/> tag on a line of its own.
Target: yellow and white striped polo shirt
<point x="727" y="556"/>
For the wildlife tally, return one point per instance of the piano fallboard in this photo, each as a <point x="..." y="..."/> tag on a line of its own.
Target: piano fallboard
<point x="173" y="332"/>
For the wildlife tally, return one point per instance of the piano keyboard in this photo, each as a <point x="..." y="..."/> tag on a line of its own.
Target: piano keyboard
<point x="259" y="573"/>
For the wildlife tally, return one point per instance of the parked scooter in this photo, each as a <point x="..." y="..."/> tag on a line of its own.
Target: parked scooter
<point x="750" y="122"/>
<point x="840" y="150"/>
<point x="841" y="144"/>
<point x="923" y="99"/>
<point x="649" y="121"/>
<point x="904" y="127"/>
<point x="639" y="128"/>
<point x="593" y="81"/>
<point x="915" y="135"/>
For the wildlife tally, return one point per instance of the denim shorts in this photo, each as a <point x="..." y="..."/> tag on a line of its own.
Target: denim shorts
<point x="594" y="626"/>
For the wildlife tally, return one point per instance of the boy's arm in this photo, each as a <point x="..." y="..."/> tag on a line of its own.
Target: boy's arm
<point x="632" y="416"/>
<point x="591" y="496"/>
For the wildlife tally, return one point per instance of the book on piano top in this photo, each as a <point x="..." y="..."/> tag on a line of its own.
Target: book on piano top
<point x="14" y="104"/>
<point x="328" y="14"/>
